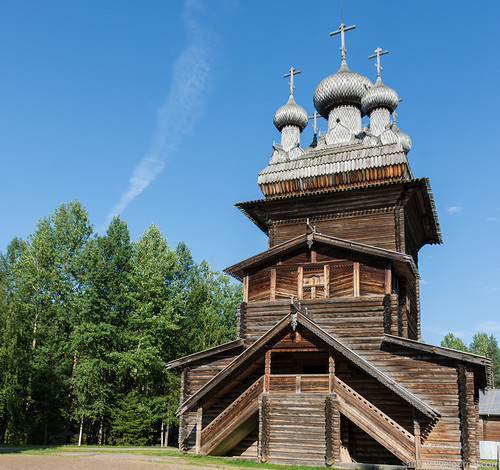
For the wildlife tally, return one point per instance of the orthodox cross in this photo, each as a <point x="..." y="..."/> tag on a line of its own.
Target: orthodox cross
<point x="291" y="74"/>
<point x="314" y="116"/>
<point x="342" y="29"/>
<point x="378" y="53"/>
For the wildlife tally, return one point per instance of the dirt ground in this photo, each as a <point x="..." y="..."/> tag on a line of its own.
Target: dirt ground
<point x="99" y="461"/>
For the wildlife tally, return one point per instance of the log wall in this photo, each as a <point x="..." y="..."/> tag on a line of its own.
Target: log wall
<point x="490" y="428"/>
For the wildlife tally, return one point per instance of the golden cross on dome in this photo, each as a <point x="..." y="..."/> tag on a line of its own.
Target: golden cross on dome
<point x="378" y="53"/>
<point x="290" y="74"/>
<point x="342" y="29"/>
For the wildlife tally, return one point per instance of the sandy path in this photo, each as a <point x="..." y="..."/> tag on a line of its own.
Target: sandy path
<point x="98" y="461"/>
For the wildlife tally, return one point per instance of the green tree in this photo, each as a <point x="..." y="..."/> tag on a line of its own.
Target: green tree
<point x="452" y="342"/>
<point x="487" y="346"/>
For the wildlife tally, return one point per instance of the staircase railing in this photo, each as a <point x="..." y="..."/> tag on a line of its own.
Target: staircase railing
<point x="232" y="417"/>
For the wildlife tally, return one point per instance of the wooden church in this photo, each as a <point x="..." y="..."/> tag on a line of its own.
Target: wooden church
<point x="329" y="367"/>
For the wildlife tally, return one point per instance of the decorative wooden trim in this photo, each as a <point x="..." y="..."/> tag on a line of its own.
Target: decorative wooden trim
<point x="199" y="424"/>
<point x="327" y="280"/>
<point x="246" y="282"/>
<point x="272" y="289"/>
<point x="298" y="384"/>
<point x="300" y="282"/>
<point x="355" y="274"/>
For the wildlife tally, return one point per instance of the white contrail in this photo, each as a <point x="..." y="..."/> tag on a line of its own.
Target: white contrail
<point x="177" y="114"/>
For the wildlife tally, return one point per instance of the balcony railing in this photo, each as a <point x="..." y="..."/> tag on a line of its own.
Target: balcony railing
<point x="299" y="383"/>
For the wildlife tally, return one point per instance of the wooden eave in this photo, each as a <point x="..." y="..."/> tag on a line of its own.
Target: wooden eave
<point x="403" y="263"/>
<point x="259" y="211"/>
<point x="252" y="351"/>
<point x="239" y="343"/>
<point x="479" y="362"/>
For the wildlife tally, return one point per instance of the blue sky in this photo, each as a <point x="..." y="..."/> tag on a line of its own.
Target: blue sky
<point x="162" y="111"/>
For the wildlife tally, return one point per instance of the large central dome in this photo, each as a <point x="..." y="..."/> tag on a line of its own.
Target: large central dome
<point x="343" y="87"/>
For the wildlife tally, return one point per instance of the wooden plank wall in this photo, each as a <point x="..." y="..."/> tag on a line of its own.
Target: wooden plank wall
<point x="372" y="228"/>
<point x="297" y="430"/>
<point x="437" y="385"/>
<point x="491" y="428"/>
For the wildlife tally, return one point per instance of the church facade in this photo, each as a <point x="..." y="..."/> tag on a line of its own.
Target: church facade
<point x="329" y="367"/>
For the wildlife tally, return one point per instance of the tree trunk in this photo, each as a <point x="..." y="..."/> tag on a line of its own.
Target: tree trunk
<point x="99" y="436"/>
<point x="166" y="432"/>
<point x="162" y="433"/>
<point x="81" y="433"/>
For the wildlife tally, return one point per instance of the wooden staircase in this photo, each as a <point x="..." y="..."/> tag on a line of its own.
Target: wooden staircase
<point x="375" y="423"/>
<point x="235" y="423"/>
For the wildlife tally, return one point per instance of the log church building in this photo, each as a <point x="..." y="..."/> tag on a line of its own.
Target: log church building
<point x="329" y="367"/>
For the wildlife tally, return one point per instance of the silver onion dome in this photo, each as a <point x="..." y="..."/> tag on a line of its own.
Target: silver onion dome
<point x="402" y="137"/>
<point x="379" y="96"/>
<point x="343" y="87"/>
<point x="291" y="114"/>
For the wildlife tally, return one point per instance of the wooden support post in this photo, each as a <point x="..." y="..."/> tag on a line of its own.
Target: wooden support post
<point x="356" y="279"/>
<point x="273" y="285"/>
<point x="388" y="280"/>
<point x="246" y="280"/>
<point x="416" y="432"/>
<point x="327" y="280"/>
<point x="313" y="255"/>
<point x="332" y="430"/>
<point x="267" y="371"/>
<point x="199" y="424"/>
<point x="331" y="372"/>
<point x="298" y="384"/>
<point x="300" y="282"/>
<point x="263" y="445"/>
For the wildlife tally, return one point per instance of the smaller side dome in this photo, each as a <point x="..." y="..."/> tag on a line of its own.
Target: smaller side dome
<point x="343" y="87"/>
<point x="402" y="137"/>
<point x="379" y="96"/>
<point x="291" y="114"/>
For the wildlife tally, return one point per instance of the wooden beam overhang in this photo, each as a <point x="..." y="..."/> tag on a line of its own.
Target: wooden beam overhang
<point x="239" y="343"/>
<point x="403" y="263"/>
<point x="296" y="317"/>
<point x="479" y="362"/>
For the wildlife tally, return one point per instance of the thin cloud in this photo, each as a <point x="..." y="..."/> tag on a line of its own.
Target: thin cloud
<point x="176" y="116"/>
<point x="489" y="327"/>
<point x="491" y="219"/>
<point x="454" y="209"/>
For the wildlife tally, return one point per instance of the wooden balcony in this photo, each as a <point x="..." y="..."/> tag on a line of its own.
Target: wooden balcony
<point x="299" y="383"/>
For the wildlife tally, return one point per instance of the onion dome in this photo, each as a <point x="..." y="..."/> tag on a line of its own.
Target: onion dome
<point x="402" y="137"/>
<point x="291" y="114"/>
<point x="343" y="87"/>
<point x="379" y="96"/>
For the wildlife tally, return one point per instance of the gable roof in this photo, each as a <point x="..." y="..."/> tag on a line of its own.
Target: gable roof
<point x="403" y="263"/>
<point x="296" y="315"/>
<point x="205" y="354"/>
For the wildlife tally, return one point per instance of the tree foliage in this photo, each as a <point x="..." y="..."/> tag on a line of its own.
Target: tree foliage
<point x="87" y="323"/>
<point x="481" y="344"/>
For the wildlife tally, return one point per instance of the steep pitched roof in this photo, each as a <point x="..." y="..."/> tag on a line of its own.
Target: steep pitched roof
<point x="296" y="316"/>
<point x="403" y="263"/>
<point x="205" y="354"/>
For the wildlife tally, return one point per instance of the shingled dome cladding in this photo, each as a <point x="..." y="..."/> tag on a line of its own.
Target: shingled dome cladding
<point x="379" y="96"/>
<point x="290" y="114"/>
<point x="343" y="87"/>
